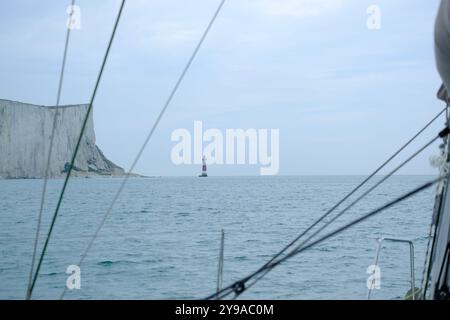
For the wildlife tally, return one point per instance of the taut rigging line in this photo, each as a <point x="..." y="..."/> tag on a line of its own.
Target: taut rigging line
<point x="150" y="134"/>
<point x="239" y="286"/>
<point x="333" y="208"/>
<point x="66" y="180"/>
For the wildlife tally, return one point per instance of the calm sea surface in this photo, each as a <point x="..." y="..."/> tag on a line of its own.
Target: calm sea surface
<point x="162" y="238"/>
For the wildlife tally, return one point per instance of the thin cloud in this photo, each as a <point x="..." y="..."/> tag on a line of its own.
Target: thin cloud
<point x="171" y="33"/>
<point x="296" y="8"/>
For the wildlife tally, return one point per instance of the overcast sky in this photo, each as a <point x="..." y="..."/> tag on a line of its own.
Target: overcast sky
<point x="343" y="97"/>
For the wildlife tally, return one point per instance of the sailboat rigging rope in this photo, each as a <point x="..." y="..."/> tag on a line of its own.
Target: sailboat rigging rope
<point x="49" y="156"/>
<point x="150" y="134"/>
<point x="88" y="112"/>
<point x="361" y="219"/>
<point x="440" y="135"/>
<point x="333" y="208"/>
<point x="239" y="286"/>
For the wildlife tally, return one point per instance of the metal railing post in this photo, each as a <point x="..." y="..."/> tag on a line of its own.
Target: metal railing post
<point x="220" y="264"/>
<point x="411" y="262"/>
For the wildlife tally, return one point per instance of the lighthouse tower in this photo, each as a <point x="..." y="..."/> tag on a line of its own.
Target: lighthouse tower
<point x="204" y="173"/>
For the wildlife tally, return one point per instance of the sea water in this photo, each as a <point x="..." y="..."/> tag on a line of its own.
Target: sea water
<point x="162" y="239"/>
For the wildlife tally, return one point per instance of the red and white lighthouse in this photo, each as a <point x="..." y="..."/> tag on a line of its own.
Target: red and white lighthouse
<point x="204" y="173"/>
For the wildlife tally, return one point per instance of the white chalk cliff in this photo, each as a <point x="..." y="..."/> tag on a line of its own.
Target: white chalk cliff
<point x="25" y="131"/>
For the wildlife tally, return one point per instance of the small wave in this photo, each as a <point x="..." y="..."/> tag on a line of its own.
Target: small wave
<point x="324" y="249"/>
<point x="156" y="261"/>
<point x="109" y="263"/>
<point x="241" y="258"/>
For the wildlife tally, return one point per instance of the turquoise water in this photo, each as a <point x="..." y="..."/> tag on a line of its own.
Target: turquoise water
<point x="162" y="238"/>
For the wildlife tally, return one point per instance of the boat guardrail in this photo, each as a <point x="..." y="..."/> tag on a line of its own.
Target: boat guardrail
<point x="411" y="259"/>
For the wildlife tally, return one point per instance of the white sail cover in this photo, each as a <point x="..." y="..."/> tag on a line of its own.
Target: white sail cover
<point x="442" y="42"/>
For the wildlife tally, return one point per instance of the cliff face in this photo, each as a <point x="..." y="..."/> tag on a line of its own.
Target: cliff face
<point x="25" y="132"/>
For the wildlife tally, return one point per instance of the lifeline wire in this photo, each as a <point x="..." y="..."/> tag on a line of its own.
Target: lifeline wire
<point x="239" y="286"/>
<point x="105" y="58"/>
<point x="366" y="216"/>
<point x="332" y="209"/>
<point x="163" y="110"/>
<point x="440" y="135"/>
